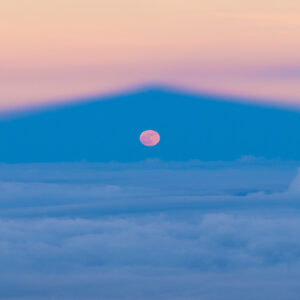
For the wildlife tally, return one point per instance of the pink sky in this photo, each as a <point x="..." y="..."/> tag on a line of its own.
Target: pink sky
<point x="59" y="49"/>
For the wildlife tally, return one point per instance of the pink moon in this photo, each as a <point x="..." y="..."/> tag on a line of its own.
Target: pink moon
<point x="149" y="138"/>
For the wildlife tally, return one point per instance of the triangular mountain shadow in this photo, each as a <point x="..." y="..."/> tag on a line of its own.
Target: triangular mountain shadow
<point x="191" y="127"/>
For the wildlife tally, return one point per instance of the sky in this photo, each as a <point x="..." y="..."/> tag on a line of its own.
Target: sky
<point x="61" y="49"/>
<point x="150" y="230"/>
<point x="210" y="213"/>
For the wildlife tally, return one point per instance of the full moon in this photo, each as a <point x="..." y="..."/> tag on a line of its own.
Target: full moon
<point x="149" y="138"/>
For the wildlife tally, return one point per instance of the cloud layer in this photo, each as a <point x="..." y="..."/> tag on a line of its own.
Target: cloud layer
<point x="150" y="230"/>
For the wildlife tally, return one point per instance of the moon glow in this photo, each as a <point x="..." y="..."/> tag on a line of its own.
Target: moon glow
<point x="149" y="138"/>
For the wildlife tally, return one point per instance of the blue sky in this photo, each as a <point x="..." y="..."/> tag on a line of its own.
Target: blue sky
<point x="204" y="127"/>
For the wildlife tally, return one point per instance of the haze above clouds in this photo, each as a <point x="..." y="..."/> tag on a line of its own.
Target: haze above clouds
<point x="150" y="230"/>
<point x="61" y="49"/>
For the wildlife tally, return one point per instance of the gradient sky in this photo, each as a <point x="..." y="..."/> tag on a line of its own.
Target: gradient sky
<point x="59" y="49"/>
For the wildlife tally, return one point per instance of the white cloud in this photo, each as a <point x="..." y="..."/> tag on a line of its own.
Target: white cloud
<point x="151" y="230"/>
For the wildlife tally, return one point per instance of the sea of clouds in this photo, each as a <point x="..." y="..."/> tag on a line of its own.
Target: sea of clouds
<point x="150" y="230"/>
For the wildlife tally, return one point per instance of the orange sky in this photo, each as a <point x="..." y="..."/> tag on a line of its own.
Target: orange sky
<point x="59" y="49"/>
